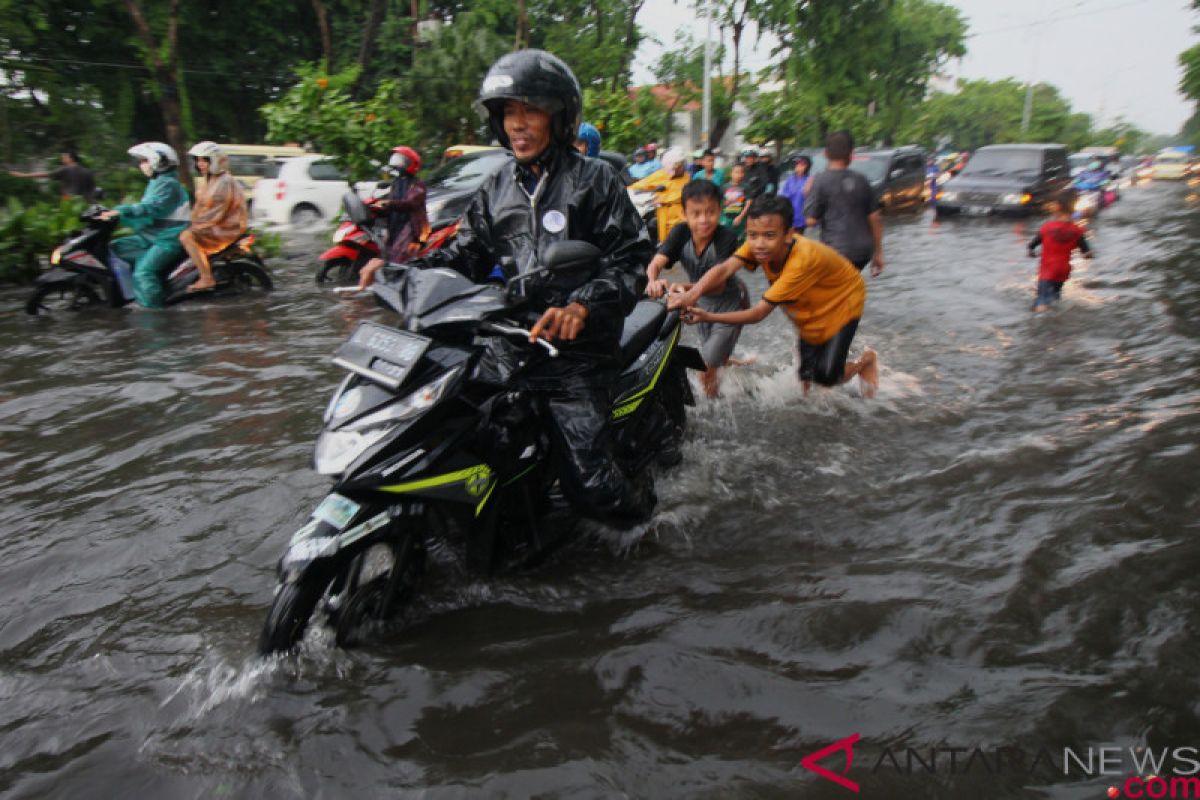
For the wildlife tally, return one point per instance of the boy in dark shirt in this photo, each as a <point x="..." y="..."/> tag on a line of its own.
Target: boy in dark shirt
<point x="699" y="243"/>
<point x="1058" y="238"/>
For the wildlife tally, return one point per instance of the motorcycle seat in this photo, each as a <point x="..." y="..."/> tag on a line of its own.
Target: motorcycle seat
<point x="640" y="328"/>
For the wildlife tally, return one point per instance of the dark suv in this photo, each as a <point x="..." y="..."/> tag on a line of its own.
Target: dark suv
<point x="1014" y="179"/>
<point x="449" y="189"/>
<point x="897" y="176"/>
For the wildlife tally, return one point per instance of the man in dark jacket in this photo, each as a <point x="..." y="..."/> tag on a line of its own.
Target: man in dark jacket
<point x="551" y="193"/>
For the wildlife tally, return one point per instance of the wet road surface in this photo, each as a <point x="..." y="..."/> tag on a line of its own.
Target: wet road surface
<point x="1000" y="550"/>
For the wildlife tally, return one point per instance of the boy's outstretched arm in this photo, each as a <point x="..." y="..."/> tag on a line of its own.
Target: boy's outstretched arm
<point x="1034" y="244"/>
<point x="747" y="316"/>
<point x="1086" y="248"/>
<point x="710" y="282"/>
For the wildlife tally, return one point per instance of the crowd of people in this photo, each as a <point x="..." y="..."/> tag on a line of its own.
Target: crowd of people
<point x="713" y="221"/>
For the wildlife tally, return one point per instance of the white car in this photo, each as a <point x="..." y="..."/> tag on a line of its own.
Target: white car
<point x="304" y="191"/>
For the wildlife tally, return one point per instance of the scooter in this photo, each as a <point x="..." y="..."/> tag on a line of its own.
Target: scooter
<point x="646" y="203"/>
<point x="1094" y="196"/>
<point x="85" y="272"/>
<point x="360" y="237"/>
<point x="433" y="448"/>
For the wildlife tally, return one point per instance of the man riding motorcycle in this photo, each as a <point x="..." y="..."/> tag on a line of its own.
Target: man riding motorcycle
<point x="552" y="193"/>
<point x="163" y="213"/>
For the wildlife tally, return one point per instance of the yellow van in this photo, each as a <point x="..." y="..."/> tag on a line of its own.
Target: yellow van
<point x="1169" y="165"/>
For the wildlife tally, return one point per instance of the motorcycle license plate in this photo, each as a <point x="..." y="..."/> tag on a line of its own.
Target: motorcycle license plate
<point x="336" y="510"/>
<point x="977" y="211"/>
<point x="381" y="354"/>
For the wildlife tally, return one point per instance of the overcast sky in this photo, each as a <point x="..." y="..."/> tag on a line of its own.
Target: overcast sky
<point x="1109" y="57"/>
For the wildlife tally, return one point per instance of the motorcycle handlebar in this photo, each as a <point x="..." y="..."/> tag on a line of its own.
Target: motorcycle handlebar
<point x="513" y="330"/>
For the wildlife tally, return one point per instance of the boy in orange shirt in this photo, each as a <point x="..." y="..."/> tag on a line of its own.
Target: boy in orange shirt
<point x="820" y="291"/>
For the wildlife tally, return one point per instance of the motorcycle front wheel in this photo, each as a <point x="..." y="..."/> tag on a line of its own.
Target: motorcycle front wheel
<point x="68" y="295"/>
<point x="290" y="613"/>
<point x="341" y="271"/>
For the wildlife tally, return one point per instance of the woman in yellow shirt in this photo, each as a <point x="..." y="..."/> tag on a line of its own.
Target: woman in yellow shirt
<point x="668" y="182"/>
<point x="821" y="292"/>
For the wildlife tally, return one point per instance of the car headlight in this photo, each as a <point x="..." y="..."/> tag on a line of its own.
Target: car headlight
<point x="949" y="197"/>
<point x="337" y="450"/>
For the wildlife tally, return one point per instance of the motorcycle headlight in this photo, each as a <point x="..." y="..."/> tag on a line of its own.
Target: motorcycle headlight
<point x="56" y="256"/>
<point x="434" y="209"/>
<point x="336" y="450"/>
<point x="338" y="235"/>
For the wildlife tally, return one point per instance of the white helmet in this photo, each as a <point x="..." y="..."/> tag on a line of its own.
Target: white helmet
<point x="162" y="157"/>
<point x="218" y="162"/>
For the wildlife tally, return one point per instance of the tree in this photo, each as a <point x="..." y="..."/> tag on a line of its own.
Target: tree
<point x="989" y="112"/>
<point x="164" y="62"/>
<point x="320" y="110"/>
<point x="865" y="63"/>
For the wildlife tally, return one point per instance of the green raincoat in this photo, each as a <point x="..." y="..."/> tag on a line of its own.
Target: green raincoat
<point x="163" y="213"/>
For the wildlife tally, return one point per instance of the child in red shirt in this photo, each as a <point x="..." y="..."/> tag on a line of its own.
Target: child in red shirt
<point x="1058" y="238"/>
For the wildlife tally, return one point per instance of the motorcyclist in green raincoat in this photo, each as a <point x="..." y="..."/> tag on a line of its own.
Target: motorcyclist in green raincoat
<point x="157" y="220"/>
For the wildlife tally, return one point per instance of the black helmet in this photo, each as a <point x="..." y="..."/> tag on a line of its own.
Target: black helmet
<point x="539" y="79"/>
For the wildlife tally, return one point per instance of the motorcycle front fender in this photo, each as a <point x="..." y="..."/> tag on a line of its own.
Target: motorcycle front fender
<point x="341" y="251"/>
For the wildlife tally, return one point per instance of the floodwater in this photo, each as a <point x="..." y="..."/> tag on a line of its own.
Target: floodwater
<point x="1001" y="550"/>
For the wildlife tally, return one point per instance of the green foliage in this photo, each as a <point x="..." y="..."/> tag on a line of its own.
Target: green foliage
<point x="28" y="233"/>
<point x="25" y="190"/>
<point x="625" y="119"/>
<point x="320" y="110"/>
<point x="864" y="65"/>
<point x="990" y="112"/>
<point x="268" y="244"/>
<point x="444" y="83"/>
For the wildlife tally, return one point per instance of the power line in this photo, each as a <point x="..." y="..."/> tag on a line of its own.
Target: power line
<point x="1060" y="17"/>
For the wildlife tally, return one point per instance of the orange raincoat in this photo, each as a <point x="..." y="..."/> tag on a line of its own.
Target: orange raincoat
<point x="219" y="216"/>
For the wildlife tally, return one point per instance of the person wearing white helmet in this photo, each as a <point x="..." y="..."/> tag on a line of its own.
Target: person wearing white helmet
<point x="219" y="216"/>
<point x="157" y="220"/>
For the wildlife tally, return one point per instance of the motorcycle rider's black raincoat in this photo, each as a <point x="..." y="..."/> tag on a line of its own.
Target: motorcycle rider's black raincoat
<point x="515" y="215"/>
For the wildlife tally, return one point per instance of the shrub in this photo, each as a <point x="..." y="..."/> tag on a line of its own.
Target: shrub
<point x="28" y="233"/>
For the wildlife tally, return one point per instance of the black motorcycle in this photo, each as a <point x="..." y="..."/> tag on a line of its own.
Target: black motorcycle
<point x="85" y="272"/>
<point x="434" y="449"/>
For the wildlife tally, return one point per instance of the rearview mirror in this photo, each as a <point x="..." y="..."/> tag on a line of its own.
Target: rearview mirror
<point x="571" y="256"/>
<point x="356" y="209"/>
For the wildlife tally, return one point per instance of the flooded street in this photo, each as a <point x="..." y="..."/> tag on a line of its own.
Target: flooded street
<point x="1001" y="550"/>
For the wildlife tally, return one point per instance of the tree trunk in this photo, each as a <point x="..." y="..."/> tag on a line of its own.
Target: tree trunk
<point x="721" y="124"/>
<point x="522" y="26"/>
<point x="326" y="37"/>
<point x="627" y="54"/>
<point x="414" y="10"/>
<point x="370" y="38"/>
<point x="165" y="75"/>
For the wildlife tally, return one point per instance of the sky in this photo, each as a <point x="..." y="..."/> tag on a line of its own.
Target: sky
<point x="1110" y="58"/>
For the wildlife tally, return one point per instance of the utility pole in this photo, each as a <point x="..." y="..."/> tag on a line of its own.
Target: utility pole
<point x="706" y="113"/>
<point x="1028" y="114"/>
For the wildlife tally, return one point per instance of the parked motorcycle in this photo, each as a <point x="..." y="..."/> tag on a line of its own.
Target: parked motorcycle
<point x="361" y="237"/>
<point x="432" y="447"/>
<point x="85" y="272"/>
